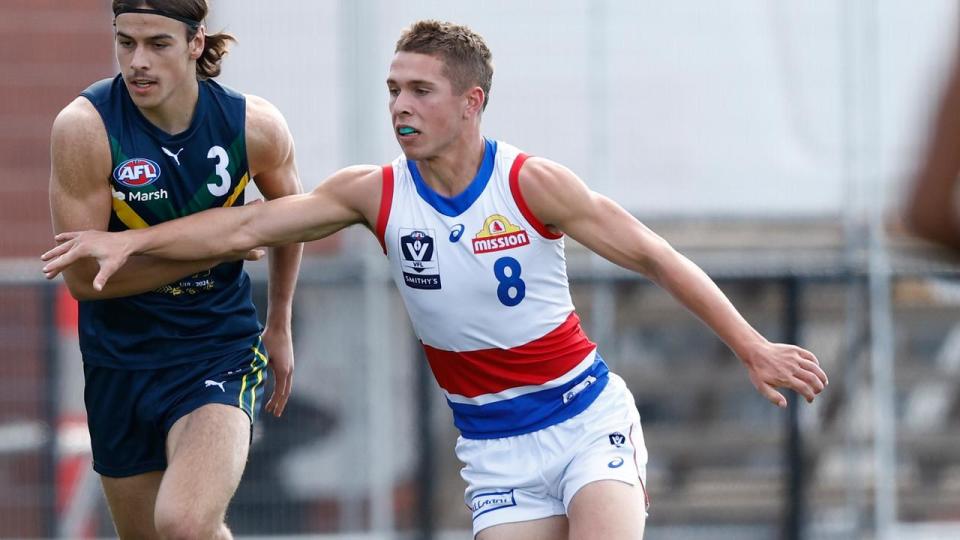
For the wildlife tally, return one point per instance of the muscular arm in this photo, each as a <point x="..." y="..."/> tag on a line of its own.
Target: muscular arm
<point x="270" y="150"/>
<point x="351" y="195"/>
<point x="562" y="201"/>
<point x="80" y="198"/>
<point x="932" y="209"/>
<point x="231" y="232"/>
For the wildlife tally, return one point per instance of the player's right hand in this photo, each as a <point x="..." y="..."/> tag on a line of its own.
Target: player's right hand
<point x="780" y="365"/>
<point x="109" y="249"/>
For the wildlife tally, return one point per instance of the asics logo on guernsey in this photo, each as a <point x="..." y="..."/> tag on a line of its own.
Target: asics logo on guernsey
<point x="208" y="383"/>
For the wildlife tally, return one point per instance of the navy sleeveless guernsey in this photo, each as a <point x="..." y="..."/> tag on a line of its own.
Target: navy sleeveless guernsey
<point x="158" y="177"/>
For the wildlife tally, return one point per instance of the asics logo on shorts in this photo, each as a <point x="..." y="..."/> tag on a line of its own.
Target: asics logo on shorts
<point x="208" y="383"/>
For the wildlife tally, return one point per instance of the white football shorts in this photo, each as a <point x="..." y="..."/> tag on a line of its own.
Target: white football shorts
<point x="536" y="475"/>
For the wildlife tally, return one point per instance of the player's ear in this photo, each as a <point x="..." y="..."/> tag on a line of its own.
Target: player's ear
<point x="196" y="44"/>
<point x="474" y="101"/>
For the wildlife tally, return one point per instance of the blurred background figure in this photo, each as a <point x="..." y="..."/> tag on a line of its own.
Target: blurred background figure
<point x="933" y="210"/>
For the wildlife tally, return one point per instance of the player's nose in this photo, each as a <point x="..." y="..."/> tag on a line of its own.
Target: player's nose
<point x="139" y="60"/>
<point x="401" y="104"/>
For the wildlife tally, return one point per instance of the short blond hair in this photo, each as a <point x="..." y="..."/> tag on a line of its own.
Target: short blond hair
<point x="466" y="57"/>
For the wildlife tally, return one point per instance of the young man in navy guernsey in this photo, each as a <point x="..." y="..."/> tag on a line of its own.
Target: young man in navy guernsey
<point x="174" y="355"/>
<point x="473" y="229"/>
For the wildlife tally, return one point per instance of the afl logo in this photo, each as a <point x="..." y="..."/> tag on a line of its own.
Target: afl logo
<point x="137" y="172"/>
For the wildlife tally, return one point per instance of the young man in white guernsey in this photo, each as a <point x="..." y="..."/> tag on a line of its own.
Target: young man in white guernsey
<point x="473" y="229"/>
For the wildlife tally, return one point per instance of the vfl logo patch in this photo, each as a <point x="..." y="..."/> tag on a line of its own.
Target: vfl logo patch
<point x="418" y="259"/>
<point x="488" y="502"/>
<point x="137" y="172"/>
<point x="499" y="234"/>
<point x="617" y="439"/>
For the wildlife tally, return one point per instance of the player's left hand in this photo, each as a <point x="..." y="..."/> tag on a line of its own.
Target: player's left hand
<point x="279" y="344"/>
<point x="778" y="365"/>
<point x="109" y="249"/>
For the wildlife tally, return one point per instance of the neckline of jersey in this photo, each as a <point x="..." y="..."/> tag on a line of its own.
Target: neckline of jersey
<point x="458" y="204"/>
<point x="199" y="112"/>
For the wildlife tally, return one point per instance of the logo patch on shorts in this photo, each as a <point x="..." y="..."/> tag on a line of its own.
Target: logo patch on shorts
<point x="615" y="463"/>
<point x="617" y="439"/>
<point x="488" y="502"/>
<point x="208" y="383"/>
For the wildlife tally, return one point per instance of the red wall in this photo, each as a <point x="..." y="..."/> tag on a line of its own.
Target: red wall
<point x="50" y="50"/>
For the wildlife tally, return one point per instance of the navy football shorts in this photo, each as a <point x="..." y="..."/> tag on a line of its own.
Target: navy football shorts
<point x="129" y="412"/>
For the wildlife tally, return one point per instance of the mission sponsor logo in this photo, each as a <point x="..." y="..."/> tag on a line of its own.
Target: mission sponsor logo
<point x="499" y="234"/>
<point x="418" y="259"/>
<point x="137" y="172"/>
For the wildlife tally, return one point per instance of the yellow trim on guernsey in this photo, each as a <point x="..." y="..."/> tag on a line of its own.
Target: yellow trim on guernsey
<point x="236" y="192"/>
<point x="127" y="215"/>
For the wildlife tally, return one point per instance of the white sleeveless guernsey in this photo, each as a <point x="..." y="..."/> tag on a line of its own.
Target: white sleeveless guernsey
<point x="485" y="284"/>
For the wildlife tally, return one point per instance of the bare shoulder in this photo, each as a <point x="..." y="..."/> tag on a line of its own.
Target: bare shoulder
<point x="78" y="123"/>
<point x="263" y="117"/>
<point x="543" y="181"/>
<point x="78" y="144"/>
<point x="269" y="143"/>
<point x="544" y="176"/>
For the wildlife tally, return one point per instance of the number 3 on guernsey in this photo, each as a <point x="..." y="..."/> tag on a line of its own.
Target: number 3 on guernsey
<point x="509" y="282"/>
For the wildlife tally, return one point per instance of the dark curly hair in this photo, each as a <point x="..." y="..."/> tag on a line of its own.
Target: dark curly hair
<point x="215" y="46"/>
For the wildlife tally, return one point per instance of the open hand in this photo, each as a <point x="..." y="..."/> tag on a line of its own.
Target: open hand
<point x="778" y="365"/>
<point x="109" y="249"/>
<point x="279" y="346"/>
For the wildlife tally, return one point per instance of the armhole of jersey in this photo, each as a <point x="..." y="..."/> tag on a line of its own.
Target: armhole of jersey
<point x="386" y="201"/>
<point x="522" y="203"/>
<point x="106" y="132"/>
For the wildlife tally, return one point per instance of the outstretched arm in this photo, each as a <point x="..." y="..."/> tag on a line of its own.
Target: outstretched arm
<point x="80" y="198"/>
<point x="270" y="150"/>
<point x="932" y="209"/>
<point x="349" y="196"/>
<point x="562" y="201"/>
